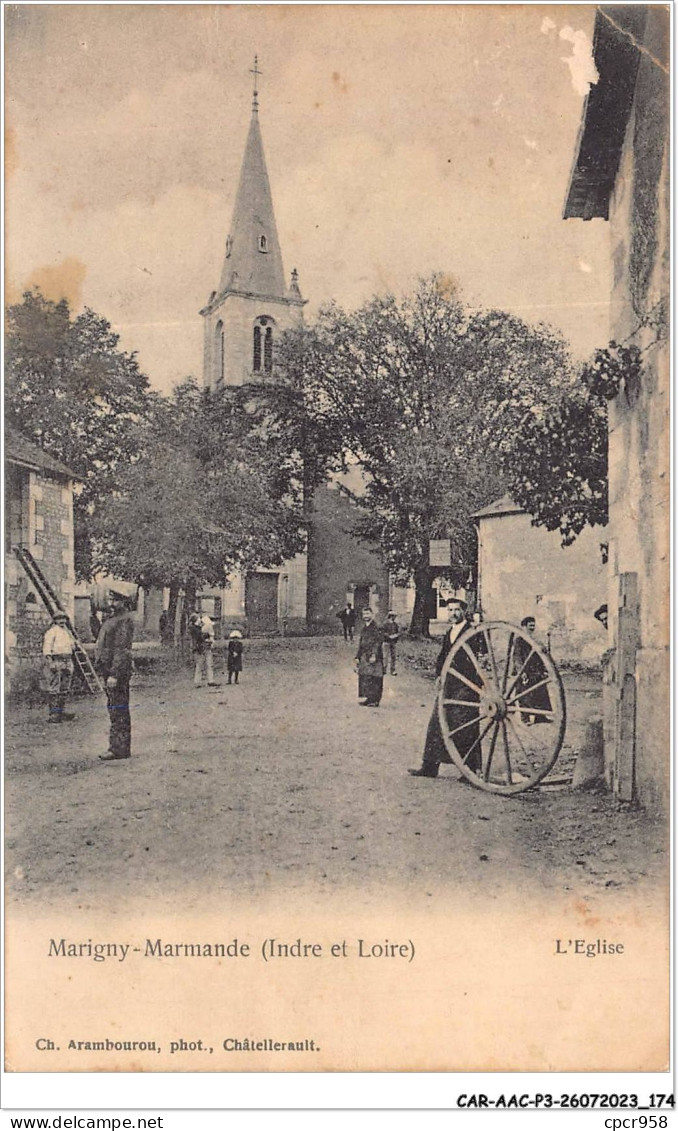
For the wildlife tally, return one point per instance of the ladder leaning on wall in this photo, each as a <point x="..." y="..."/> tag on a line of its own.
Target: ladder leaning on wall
<point x="50" y="600"/>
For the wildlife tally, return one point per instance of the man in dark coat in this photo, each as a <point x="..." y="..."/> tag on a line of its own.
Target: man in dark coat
<point x="370" y="662"/>
<point x="114" y="663"/>
<point x="465" y="740"/>
<point x="347" y="618"/>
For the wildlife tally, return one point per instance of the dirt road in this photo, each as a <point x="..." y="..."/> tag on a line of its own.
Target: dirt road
<point x="285" y="782"/>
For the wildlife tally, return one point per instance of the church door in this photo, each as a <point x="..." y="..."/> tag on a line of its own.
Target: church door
<point x="361" y="599"/>
<point x="261" y="602"/>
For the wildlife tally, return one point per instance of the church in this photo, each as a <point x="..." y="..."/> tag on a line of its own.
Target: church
<point x="243" y="320"/>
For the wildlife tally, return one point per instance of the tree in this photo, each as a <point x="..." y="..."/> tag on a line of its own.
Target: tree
<point x="70" y="389"/>
<point x="559" y="469"/>
<point x="427" y="397"/>
<point x="203" y="498"/>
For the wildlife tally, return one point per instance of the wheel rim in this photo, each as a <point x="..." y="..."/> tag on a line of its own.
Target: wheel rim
<point x="501" y="708"/>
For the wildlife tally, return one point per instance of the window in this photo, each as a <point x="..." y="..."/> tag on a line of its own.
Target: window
<point x="262" y="243"/>
<point x="256" y="354"/>
<point x="219" y="343"/>
<point x="229" y="247"/>
<point x="268" y="350"/>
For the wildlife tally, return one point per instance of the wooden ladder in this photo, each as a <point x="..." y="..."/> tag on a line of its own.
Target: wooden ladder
<point x="50" y="600"/>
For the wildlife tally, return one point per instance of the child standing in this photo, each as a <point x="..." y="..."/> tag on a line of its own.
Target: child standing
<point x="234" y="656"/>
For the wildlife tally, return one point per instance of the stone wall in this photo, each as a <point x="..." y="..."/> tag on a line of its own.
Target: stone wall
<point x="47" y="532"/>
<point x="524" y="571"/>
<point x="639" y="418"/>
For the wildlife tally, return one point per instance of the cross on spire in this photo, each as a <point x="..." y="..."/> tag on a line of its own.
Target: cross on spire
<point x="256" y="72"/>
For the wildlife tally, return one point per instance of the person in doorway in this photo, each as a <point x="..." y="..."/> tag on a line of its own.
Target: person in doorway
<point x="57" y="648"/>
<point x="114" y="664"/>
<point x="370" y="662"/>
<point x="234" y="655"/>
<point x="466" y="739"/>
<point x="201" y="630"/>
<point x="391" y="634"/>
<point x="347" y="618"/>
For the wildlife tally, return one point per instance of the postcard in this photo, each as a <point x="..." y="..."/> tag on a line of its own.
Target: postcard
<point x="337" y="538"/>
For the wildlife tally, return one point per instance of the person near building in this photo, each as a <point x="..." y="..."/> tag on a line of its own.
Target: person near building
<point x="391" y="633"/>
<point x="531" y="672"/>
<point x="163" y="625"/>
<point x="370" y="662"/>
<point x="234" y="655"/>
<point x="466" y="739"/>
<point x="347" y="618"/>
<point x="201" y="630"/>
<point x="57" y="648"/>
<point x="114" y="664"/>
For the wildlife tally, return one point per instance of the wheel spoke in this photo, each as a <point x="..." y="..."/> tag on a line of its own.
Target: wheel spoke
<point x="493" y="743"/>
<point x="533" y="687"/>
<point x="474" y="660"/>
<point x="520" y="742"/>
<point x="460" y="703"/>
<point x="493" y="659"/>
<point x="536" y="711"/>
<point x="532" y="652"/>
<point x="506" y="752"/>
<point x="509" y="658"/>
<point x="471" y="722"/>
<point x="480" y="738"/>
<point x="452" y="671"/>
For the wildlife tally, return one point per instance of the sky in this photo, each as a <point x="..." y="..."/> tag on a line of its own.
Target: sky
<point x="400" y="140"/>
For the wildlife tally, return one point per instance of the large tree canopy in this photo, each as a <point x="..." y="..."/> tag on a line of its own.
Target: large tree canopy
<point x="427" y="397"/>
<point x="71" y="389"/>
<point x="204" y="497"/>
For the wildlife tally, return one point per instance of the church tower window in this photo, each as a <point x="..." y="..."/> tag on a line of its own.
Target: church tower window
<point x="263" y="246"/>
<point x="268" y="350"/>
<point x="256" y="352"/>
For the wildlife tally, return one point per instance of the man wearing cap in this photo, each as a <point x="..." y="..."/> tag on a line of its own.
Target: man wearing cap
<point x="466" y="739"/>
<point x="57" y="648"/>
<point x="114" y="663"/>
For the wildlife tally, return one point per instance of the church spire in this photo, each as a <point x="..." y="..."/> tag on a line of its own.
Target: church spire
<point x="253" y="262"/>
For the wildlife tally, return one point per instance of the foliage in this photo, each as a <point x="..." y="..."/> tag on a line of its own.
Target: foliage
<point x="559" y="473"/>
<point x="611" y="370"/>
<point x="426" y="396"/>
<point x="204" y="497"/>
<point x="559" y="470"/>
<point x="70" y="389"/>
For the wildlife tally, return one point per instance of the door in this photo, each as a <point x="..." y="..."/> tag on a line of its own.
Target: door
<point x="261" y="602"/>
<point x="361" y="599"/>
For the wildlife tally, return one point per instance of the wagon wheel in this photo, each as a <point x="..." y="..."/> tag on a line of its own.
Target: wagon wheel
<point x="501" y="707"/>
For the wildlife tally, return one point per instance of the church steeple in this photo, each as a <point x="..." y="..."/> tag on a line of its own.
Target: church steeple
<point x="253" y="262"/>
<point x="252" y="306"/>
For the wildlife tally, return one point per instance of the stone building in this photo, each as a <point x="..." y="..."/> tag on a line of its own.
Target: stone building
<point x="39" y="518"/>
<point x="621" y="174"/>
<point x="523" y="570"/>
<point x="242" y="322"/>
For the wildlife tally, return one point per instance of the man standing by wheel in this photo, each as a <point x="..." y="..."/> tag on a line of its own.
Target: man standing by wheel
<point x="370" y="662"/>
<point x="466" y="739"/>
<point x="114" y="663"/>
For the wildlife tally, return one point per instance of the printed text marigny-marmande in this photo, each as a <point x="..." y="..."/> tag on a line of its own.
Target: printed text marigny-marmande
<point x="268" y="949"/>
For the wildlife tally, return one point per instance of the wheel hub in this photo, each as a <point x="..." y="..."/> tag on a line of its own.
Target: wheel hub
<point x="494" y="706"/>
